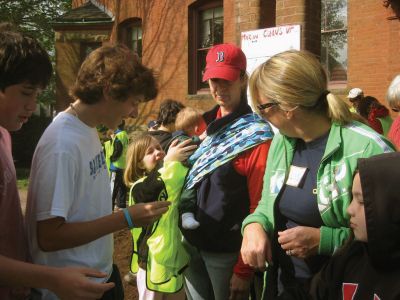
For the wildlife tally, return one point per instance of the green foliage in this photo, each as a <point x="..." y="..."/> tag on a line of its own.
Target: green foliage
<point x="22" y="178"/>
<point x="34" y="17"/>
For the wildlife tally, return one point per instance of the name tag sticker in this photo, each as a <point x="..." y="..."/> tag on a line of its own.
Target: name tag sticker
<point x="296" y="176"/>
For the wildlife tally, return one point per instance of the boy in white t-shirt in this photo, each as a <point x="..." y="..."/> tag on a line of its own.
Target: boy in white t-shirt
<point x="25" y="70"/>
<point x="69" y="211"/>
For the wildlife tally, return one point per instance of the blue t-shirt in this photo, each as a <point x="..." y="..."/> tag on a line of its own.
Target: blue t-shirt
<point x="298" y="205"/>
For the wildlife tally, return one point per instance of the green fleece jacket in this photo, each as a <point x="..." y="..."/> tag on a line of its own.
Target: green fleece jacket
<point x="334" y="179"/>
<point x="166" y="257"/>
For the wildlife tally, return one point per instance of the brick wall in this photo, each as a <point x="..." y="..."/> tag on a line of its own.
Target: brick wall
<point x="165" y="44"/>
<point x="307" y="14"/>
<point x="373" y="40"/>
<point x="252" y="15"/>
<point x="373" y="47"/>
<point x="68" y="59"/>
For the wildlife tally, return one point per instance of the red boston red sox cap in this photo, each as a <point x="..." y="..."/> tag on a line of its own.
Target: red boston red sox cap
<point x="224" y="61"/>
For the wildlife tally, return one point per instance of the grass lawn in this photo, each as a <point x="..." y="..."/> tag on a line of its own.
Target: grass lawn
<point x="22" y="178"/>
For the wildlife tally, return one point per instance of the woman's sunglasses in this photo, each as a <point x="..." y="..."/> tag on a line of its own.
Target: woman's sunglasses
<point x="264" y="106"/>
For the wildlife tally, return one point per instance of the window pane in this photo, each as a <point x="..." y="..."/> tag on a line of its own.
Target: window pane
<point x="134" y="46"/>
<point x="334" y="55"/>
<point x="137" y="40"/>
<point x="139" y="48"/>
<point x="207" y="14"/>
<point x="134" y="33"/>
<point x="334" y="38"/>
<point x="333" y="14"/>
<point x="206" y="38"/>
<point x="218" y="31"/>
<point x="212" y="27"/>
<point x="208" y="31"/>
<point x="218" y="12"/>
<point x="86" y="48"/>
<point x="201" y="57"/>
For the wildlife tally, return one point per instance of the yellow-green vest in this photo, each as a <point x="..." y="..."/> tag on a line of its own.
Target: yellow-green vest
<point x="167" y="258"/>
<point x="122" y="136"/>
<point x="108" y="152"/>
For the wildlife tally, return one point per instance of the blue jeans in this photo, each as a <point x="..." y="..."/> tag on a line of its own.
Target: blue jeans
<point x="209" y="274"/>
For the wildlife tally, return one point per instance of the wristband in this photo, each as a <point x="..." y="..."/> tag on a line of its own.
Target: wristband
<point x="128" y="218"/>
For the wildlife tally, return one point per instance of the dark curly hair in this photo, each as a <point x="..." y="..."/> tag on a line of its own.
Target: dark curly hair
<point x="169" y="108"/>
<point x="366" y="104"/>
<point x="22" y="59"/>
<point x="115" y="70"/>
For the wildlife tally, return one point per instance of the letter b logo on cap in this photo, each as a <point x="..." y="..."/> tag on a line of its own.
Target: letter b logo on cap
<point x="220" y="56"/>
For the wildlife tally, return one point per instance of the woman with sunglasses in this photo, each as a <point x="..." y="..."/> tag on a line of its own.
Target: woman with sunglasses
<point x="301" y="218"/>
<point x="393" y="100"/>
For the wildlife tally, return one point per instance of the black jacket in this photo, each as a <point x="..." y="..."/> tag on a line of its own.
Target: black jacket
<point x="222" y="198"/>
<point x="369" y="270"/>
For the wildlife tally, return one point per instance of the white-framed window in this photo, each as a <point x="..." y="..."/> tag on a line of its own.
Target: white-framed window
<point x="334" y="40"/>
<point x="130" y="33"/>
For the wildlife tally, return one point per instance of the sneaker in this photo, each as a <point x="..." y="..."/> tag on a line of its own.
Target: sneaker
<point x="130" y="278"/>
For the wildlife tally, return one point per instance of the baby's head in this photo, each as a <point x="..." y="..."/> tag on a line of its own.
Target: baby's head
<point x="190" y="121"/>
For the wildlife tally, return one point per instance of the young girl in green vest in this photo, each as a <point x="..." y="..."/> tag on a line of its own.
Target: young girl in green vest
<point x="158" y="258"/>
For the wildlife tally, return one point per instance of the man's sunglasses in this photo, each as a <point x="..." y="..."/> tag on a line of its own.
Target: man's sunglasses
<point x="264" y="106"/>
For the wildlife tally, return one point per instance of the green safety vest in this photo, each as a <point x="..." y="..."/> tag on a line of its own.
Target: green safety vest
<point x="167" y="258"/>
<point x="108" y="152"/>
<point x="386" y="123"/>
<point x="122" y="136"/>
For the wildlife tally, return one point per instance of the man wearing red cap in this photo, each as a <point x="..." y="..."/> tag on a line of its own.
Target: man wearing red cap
<point x="226" y="178"/>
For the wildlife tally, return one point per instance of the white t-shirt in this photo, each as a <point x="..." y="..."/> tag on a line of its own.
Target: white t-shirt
<point x="69" y="179"/>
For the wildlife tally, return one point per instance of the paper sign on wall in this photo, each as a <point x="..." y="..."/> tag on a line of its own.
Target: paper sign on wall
<point x="259" y="45"/>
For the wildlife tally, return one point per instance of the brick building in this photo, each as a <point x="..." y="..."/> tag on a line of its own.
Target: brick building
<point x="358" y="41"/>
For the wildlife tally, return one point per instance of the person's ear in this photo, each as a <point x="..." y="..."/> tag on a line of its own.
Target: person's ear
<point x="196" y="129"/>
<point x="289" y="114"/>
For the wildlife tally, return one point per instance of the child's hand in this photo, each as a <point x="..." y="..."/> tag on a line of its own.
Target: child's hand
<point x="180" y="151"/>
<point x="144" y="214"/>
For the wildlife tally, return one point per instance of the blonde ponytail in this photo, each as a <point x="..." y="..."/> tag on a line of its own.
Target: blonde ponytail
<point x="297" y="78"/>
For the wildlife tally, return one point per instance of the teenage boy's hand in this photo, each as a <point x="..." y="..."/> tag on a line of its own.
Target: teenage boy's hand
<point x="146" y="213"/>
<point x="73" y="283"/>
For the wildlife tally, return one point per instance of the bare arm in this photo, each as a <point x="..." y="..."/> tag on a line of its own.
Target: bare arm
<point x="55" y="234"/>
<point x="256" y="247"/>
<point x="67" y="283"/>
